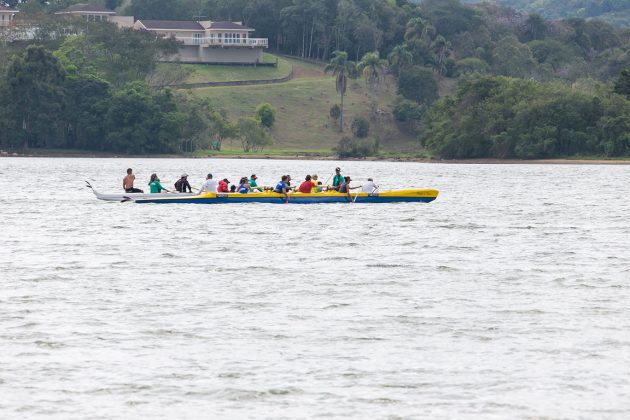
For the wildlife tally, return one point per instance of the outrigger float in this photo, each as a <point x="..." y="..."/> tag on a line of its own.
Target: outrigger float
<point x="391" y="196"/>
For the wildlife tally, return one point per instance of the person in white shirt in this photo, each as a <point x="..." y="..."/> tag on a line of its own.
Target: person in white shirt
<point x="210" y="185"/>
<point x="369" y="187"/>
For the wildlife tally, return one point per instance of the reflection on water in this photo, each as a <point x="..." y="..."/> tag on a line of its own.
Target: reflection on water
<point x="506" y="297"/>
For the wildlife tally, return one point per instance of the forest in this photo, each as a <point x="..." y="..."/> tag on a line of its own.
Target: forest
<point x="510" y="68"/>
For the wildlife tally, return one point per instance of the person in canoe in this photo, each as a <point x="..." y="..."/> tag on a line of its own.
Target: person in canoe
<point x="254" y="184"/>
<point x="345" y="187"/>
<point x="369" y="187"/>
<point x="209" y="185"/>
<point x="307" y="186"/>
<point x="282" y="188"/>
<point x="288" y="182"/>
<point x="243" y="186"/>
<point x="337" y="179"/>
<point x="317" y="182"/>
<point x="182" y="184"/>
<point x="223" y="186"/>
<point x="128" y="182"/>
<point x="155" y="185"/>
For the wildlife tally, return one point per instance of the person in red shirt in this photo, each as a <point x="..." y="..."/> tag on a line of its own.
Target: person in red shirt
<point x="307" y="186"/>
<point x="223" y="186"/>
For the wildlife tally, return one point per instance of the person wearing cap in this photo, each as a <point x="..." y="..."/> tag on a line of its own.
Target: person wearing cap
<point x="209" y="185"/>
<point x="243" y="186"/>
<point x="253" y="184"/>
<point x="223" y="186"/>
<point x="369" y="187"/>
<point x="337" y="179"/>
<point x="182" y="184"/>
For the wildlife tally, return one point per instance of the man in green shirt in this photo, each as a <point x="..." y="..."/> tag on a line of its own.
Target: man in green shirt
<point x="337" y="179"/>
<point x="253" y="184"/>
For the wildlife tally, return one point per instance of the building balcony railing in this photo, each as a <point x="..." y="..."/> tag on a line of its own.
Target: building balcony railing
<point x="225" y="42"/>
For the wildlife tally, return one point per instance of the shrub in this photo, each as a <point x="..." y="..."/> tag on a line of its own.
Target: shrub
<point x="357" y="147"/>
<point x="405" y="110"/>
<point x="266" y="114"/>
<point x="253" y="135"/>
<point x="360" y="127"/>
<point x="335" y="112"/>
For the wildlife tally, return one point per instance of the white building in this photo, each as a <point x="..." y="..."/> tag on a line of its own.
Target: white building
<point x="7" y="15"/>
<point x="209" y="42"/>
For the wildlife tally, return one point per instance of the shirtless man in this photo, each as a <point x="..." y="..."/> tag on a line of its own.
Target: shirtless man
<point x="128" y="183"/>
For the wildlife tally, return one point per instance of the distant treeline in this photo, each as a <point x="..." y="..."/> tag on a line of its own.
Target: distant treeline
<point x="504" y="117"/>
<point x="103" y="90"/>
<point x="616" y="12"/>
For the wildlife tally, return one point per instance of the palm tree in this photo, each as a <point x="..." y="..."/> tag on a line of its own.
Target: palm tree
<point x="371" y="65"/>
<point x="399" y="58"/>
<point x="342" y="69"/>
<point x="442" y="49"/>
<point x="418" y="28"/>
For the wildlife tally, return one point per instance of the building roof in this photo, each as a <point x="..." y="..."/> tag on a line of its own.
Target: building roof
<point x="7" y="9"/>
<point x="184" y="25"/>
<point x="228" y="25"/>
<point x="86" y="8"/>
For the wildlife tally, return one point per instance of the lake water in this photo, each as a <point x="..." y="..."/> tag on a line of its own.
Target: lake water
<point x="507" y="297"/>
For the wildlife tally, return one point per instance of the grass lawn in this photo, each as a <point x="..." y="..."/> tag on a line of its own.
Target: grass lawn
<point x="216" y="73"/>
<point x="303" y="105"/>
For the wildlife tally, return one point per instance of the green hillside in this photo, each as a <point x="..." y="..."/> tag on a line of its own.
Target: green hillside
<point x="303" y="105"/>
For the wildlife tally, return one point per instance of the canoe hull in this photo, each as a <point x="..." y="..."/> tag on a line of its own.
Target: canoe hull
<point x="394" y="196"/>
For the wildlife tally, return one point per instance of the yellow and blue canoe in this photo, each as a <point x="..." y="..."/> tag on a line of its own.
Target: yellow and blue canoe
<point x="392" y="196"/>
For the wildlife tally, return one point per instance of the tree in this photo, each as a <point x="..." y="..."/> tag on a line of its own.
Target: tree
<point x="360" y="127"/>
<point x="335" y="112"/>
<point x="266" y="114"/>
<point x="253" y="135"/>
<point x="535" y="28"/>
<point x="622" y="85"/>
<point x="356" y="147"/>
<point x="141" y="120"/>
<point x="471" y="65"/>
<point x="371" y="65"/>
<point x="342" y="69"/>
<point x="442" y="49"/>
<point x="418" y="84"/>
<point x="117" y="55"/>
<point x="511" y="58"/>
<point x="35" y="94"/>
<point x="399" y="58"/>
<point x="419" y="28"/>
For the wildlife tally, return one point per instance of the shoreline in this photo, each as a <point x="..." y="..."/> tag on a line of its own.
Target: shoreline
<point x="307" y="156"/>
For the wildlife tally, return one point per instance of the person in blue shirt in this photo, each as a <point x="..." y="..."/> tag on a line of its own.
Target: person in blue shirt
<point x="282" y="188"/>
<point x="243" y="186"/>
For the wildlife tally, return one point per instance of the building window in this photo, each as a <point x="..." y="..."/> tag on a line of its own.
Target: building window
<point x="197" y="39"/>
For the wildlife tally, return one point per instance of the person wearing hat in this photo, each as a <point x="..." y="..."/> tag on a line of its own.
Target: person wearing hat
<point x="337" y="179"/>
<point x="253" y="184"/>
<point x="209" y="185"/>
<point x="182" y="184"/>
<point x="223" y="186"/>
